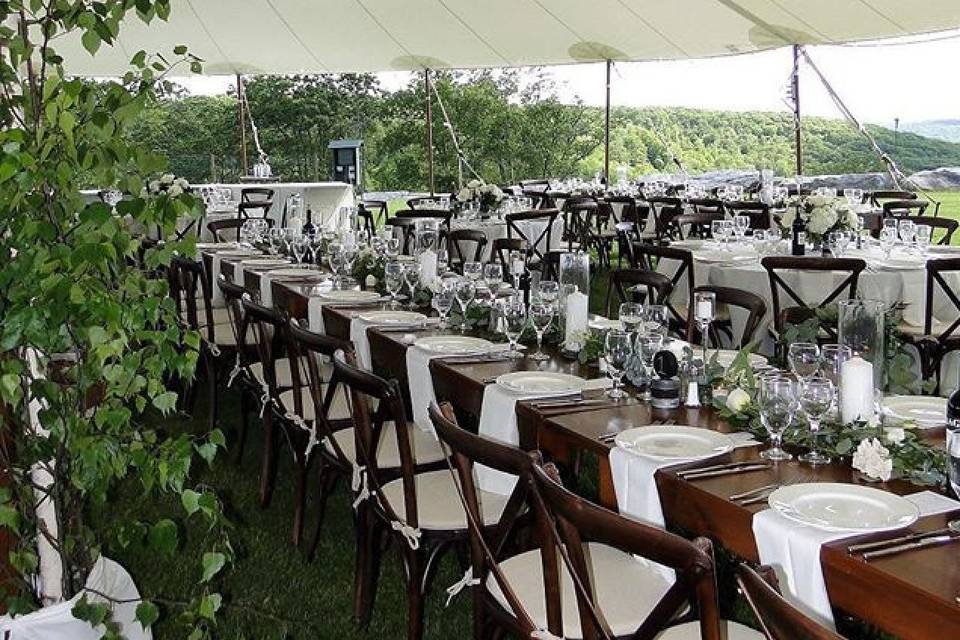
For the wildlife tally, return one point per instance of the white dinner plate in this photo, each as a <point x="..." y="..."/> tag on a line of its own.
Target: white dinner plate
<point x="717" y="257"/>
<point x="604" y="324"/>
<point x="350" y="296"/>
<point x="238" y="253"/>
<point x="393" y="317"/>
<point x="843" y="507"/>
<point x="217" y="246"/>
<point x="546" y="383"/>
<point x="692" y="243"/>
<point x="454" y="345"/>
<point x="900" y="264"/>
<point x="925" y="411"/>
<point x="265" y="262"/>
<point x="674" y="442"/>
<point x="297" y="274"/>
<point x="725" y="358"/>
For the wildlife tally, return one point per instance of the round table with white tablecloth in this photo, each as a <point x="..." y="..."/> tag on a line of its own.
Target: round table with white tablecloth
<point x="496" y="227"/>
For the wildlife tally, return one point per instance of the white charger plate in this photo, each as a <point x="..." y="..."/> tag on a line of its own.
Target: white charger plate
<point x="725" y="358"/>
<point x="454" y="345"/>
<point x="393" y="317"/>
<point x="349" y="296"/>
<point x="546" y="383"/>
<point x="674" y="442"/>
<point x="718" y="257"/>
<point x="835" y="506"/>
<point x="926" y="411"/>
<point x="265" y="262"/>
<point x="298" y="274"/>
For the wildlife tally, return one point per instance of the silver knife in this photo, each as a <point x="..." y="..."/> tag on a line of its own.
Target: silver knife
<point x="919" y="544"/>
<point x="717" y="467"/>
<point x="725" y="472"/>
<point x="879" y="544"/>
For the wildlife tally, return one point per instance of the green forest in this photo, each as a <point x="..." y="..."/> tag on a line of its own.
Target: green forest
<point x="510" y="126"/>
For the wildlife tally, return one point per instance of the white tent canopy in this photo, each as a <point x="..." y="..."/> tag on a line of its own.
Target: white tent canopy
<point x="318" y="36"/>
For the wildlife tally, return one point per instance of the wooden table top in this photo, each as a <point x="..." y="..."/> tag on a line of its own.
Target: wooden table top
<point x="912" y="595"/>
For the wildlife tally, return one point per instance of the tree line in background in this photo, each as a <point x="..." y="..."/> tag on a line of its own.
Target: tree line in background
<point x="511" y="126"/>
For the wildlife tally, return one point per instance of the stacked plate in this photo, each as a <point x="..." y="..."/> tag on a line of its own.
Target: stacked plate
<point x="454" y="345"/>
<point x="674" y="442"/>
<point x="925" y="411"/>
<point x="542" y="383"/>
<point x="262" y="263"/>
<point x="297" y="274"/>
<point x="350" y="296"/>
<point x="843" y="507"/>
<point x="393" y="317"/>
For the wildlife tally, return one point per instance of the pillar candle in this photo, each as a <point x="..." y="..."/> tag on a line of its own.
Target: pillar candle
<point x="577" y="312"/>
<point x="856" y="390"/>
<point x="428" y="267"/>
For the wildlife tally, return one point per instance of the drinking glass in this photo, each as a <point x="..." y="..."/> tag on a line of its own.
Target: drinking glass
<point x="905" y="228"/>
<point x="514" y="322"/>
<point x="393" y="247"/>
<point x="335" y="259"/>
<point x="617" y="350"/>
<point x="393" y="279"/>
<point x="922" y="234"/>
<point x="443" y="302"/>
<point x="493" y="277"/>
<point x="443" y="261"/>
<point x="412" y="277"/>
<point x="888" y="237"/>
<point x="804" y="359"/>
<point x="549" y="291"/>
<point x="832" y="357"/>
<point x="465" y="292"/>
<point x="777" y="401"/>
<point x="655" y="319"/>
<point x="742" y="223"/>
<point x="704" y="311"/>
<point x="649" y="345"/>
<point x="518" y="266"/>
<point x="541" y="315"/>
<point x="473" y="270"/>
<point x="816" y="398"/>
<point x="631" y="315"/>
<point x="716" y="227"/>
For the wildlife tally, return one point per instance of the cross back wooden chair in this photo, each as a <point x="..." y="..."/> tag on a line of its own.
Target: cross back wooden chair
<point x="378" y="208"/>
<point x="758" y="212"/>
<point x="650" y="257"/>
<point x="939" y="338"/>
<point x="665" y="209"/>
<point x="902" y="208"/>
<point x="404" y="226"/>
<point x="366" y="220"/>
<point x="578" y="214"/>
<point x="727" y="297"/>
<point x="778" y="619"/>
<point x="252" y="209"/>
<point x="877" y="198"/>
<point x="221" y="229"/>
<point x="804" y="309"/>
<point x="417" y="506"/>
<point x="947" y="225"/>
<point x="458" y="241"/>
<point x="593" y="586"/>
<point x="501" y="248"/>
<point x="251" y="389"/>
<point x="627" y="234"/>
<point x="626" y="286"/>
<point x="487" y="544"/>
<point x="542" y="243"/>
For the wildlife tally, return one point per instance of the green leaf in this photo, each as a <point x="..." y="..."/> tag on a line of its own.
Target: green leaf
<point x="147" y="614"/>
<point x="164" y="537"/>
<point x="9" y="518"/>
<point x="91" y="41"/>
<point x="191" y="501"/>
<point x="166" y="401"/>
<point x="213" y="562"/>
<point x="209" y="605"/>
<point x="180" y="49"/>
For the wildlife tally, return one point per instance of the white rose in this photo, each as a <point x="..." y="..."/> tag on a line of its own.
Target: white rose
<point x="464" y="195"/>
<point x="154" y="186"/>
<point x="894" y="435"/>
<point x="737" y="400"/>
<point x="852" y="219"/>
<point x="174" y="191"/>
<point x="167" y="178"/>
<point x="370" y="282"/>
<point x="789" y="217"/>
<point x="873" y="459"/>
<point x="817" y="201"/>
<point x="182" y="183"/>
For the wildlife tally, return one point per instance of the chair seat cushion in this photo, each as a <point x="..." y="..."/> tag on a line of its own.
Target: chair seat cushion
<point x="426" y="448"/>
<point x="691" y="631"/>
<point x="626" y="587"/>
<point x="438" y="502"/>
<point x="339" y="410"/>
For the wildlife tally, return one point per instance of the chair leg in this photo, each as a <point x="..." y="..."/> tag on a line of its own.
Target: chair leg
<point x="212" y="374"/>
<point x="415" y="579"/>
<point x="244" y="425"/>
<point x="268" y="466"/>
<point x="300" y="500"/>
<point x="367" y="564"/>
<point x="327" y="483"/>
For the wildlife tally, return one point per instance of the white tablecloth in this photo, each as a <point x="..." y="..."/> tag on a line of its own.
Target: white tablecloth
<point x="323" y="198"/>
<point x="497" y="228"/>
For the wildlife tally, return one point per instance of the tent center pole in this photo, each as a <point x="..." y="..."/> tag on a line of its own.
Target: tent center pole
<point x="795" y="89"/>
<point x="427" y="88"/>
<point x="606" y="129"/>
<point x="240" y="122"/>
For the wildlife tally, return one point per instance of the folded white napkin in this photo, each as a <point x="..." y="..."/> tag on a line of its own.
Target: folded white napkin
<point x="315" y="315"/>
<point x="266" y="289"/>
<point x="358" y="336"/>
<point x="498" y="420"/>
<point x="793" y="549"/>
<point x="217" y="298"/>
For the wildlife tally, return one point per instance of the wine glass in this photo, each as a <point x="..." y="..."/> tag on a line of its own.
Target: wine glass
<point x="548" y="291"/>
<point x="922" y="234"/>
<point x="541" y="315"/>
<point x="493" y="277"/>
<point x="888" y="237"/>
<point x="412" y="277"/>
<point x="777" y="401"/>
<point x="393" y="247"/>
<point x="704" y="311"/>
<point x="335" y="259"/>
<point x="393" y="279"/>
<point x="518" y="266"/>
<point x="741" y="224"/>
<point x="655" y="319"/>
<point x="816" y="398"/>
<point x="804" y="359"/>
<point x="443" y="302"/>
<point x="905" y="228"/>
<point x="443" y="261"/>
<point x="473" y="271"/>
<point x="631" y="316"/>
<point x="716" y="228"/>
<point x="514" y="322"/>
<point x="617" y="350"/>
<point x="649" y="345"/>
<point x="465" y="292"/>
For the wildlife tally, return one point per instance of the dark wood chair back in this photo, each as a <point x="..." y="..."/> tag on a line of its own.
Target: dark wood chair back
<point x="550" y="268"/>
<point x="777" y="265"/>
<point x="542" y="242"/>
<point x="626" y="286"/>
<point x="877" y="198"/>
<point x="665" y="209"/>
<point x="578" y="214"/>
<point x="758" y="212"/>
<point x="779" y="620"/>
<point x="187" y="285"/>
<point x="566" y="522"/>
<point x="233" y="296"/>
<point x="256" y="194"/>
<point x="423" y="202"/>
<point x="229" y="227"/>
<point x="406" y="227"/>
<point x="253" y="209"/>
<point x="947" y="225"/>
<point x="902" y="208"/>
<point x="267" y="326"/>
<point x="707" y="205"/>
<point x="627" y="207"/>
<point x="366" y="220"/>
<point x="378" y="208"/>
<point x="753" y="304"/>
<point x="539" y="198"/>
<point x="458" y="241"/>
<point x="501" y="248"/>
<point x="414" y="214"/>
<point x="627" y="233"/>
<point x="649" y="257"/>
<point x="938" y="273"/>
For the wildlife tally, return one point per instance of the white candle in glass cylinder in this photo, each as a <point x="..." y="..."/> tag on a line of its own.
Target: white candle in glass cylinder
<point x="577" y="312"/>
<point x="704" y="310"/>
<point x="428" y="267"/>
<point x="856" y="390"/>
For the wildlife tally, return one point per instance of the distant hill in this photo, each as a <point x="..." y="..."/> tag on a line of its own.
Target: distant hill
<point x="948" y="130"/>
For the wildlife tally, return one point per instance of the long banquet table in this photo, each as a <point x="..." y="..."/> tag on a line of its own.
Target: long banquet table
<point x="912" y="595"/>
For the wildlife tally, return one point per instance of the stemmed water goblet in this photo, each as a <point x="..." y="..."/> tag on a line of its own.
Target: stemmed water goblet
<point x="741" y="224"/>
<point x="514" y="322"/>
<point x="906" y="230"/>
<point x="541" y="315"/>
<point x="649" y="345"/>
<point x="921" y="235"/>
<point x="473" y="271"/>
<point x="443" y="302"/>
<point x="888" y="237"/>
<point x="335" y="258"/>
<point x="804" y="359"/>
<point x="704" y="312"/>
<point x="393" y="247"/>
<point x="393" y="280"/>
<point x="816" y="397"/>
<point x="465" y="292"/>
<point x="656" y="319"/>
<point x="548" y="291"/>
<point x="777" y="402"/>
<point x="518" y="266"/>
<point x="631" y="316"/>
<point x="411" y="276"/>
<point x="493" y="278"/>
<point x="617" y="351"/>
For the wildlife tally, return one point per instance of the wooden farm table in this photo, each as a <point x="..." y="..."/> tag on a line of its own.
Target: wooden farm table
<point x="911" y="595"/>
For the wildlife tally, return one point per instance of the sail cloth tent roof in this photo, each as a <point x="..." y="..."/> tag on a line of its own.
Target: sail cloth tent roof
<point x="318" y="36"/>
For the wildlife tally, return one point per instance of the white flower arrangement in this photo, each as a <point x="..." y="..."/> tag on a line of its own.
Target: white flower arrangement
<point x="873" y="459"/>
<point x="487" y="195"/>
<point x="738" y="400"/>
<point x="820" y="214"/>
<point x="168" y="184"/>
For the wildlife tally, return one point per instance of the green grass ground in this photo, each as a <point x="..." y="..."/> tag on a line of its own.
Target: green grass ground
<point x="949" y="208"/>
